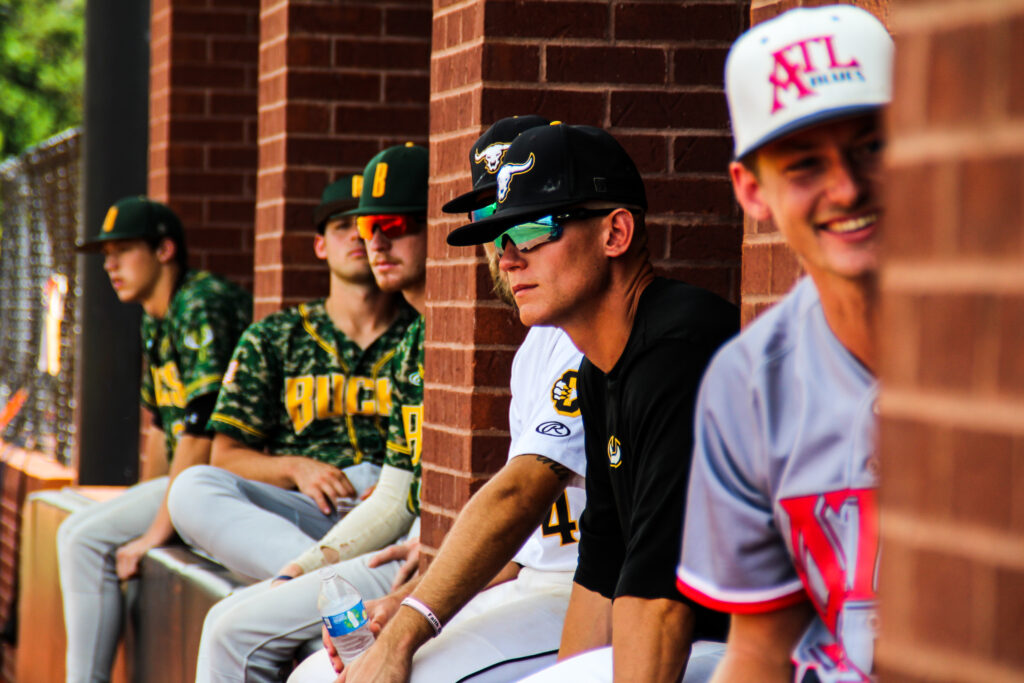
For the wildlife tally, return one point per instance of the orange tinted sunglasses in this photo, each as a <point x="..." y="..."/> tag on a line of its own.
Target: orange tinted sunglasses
<point x="392" y="225"/>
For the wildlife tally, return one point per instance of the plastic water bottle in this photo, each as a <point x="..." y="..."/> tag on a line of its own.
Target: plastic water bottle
<point x="341" y="608"/>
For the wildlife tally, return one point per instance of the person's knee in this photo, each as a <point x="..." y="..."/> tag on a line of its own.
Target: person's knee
<point x="189" y="487"/>
<point x="77" y="533"/>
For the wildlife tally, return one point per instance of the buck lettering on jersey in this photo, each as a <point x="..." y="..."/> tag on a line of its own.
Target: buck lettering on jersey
<point x="316" y="397"/>
<point x="167" y="387"/>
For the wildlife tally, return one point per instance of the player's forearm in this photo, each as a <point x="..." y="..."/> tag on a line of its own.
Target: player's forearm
<point x="588" y="622"/>
<point x="190" y="450"/>
<point x="153" y="458"/>
<point x="650" y="638"/>
<point x="488" y="532"/>
<point x="759" y="645"/>
<point x="249" y="463"/>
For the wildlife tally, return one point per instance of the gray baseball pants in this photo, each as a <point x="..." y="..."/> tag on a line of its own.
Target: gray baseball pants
<point x="250" y="527"/>
<point x="252" y="635"/>
<point x="87" y="542"/>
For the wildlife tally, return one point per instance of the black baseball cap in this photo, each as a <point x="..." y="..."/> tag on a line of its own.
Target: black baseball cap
<point x="341" y="195"/>
<point x="136" y="218"/>
<point x="394" y="182"/>
<point x="485" y="158"/>
<point x="552" y="168"/>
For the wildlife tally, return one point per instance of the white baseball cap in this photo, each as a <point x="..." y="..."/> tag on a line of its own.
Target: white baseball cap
<point x="804" y="67"/>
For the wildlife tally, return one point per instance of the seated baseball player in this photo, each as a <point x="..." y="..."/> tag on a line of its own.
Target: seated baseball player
<point x="781" y="521"/>
<point x="569" y="229"/>
<point x="253" y="634"/>
<point x="301" y="425"/>
<point x="513" y="627"/>
<point x="191" y="321"/>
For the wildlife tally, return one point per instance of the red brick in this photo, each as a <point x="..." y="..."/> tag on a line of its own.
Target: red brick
<point x="204" y="183"/>
<point x="351" y="19"/>
<point x="702" y="154"/>
<point x="785" y="269"/>
<point x="353" y="52"/>
<point x="910" y="227"/>
<point x="455" y="70"/>
<point x="699" y="66"/>
<point x="706" y="242"/>
<point x="690" y="195"/>
<point x="194" y="129"/>
<point x="991" y="201"/>
<point x="232" y="211"/>
<point x="379" y="119"/>
<point x="1008" y="615"/>
<point x="958" y="56"/>
<point x="635" y="65"/>
<point x="669" y="110"/>
<point x="561" y="20"/>
<point x="510" y="62"/>
<point x="333" y="86"/>
<point x="649" y="152"/>
<point x="983" y="472"/>
<point x="577" y="106"/>
<point x="225" y="103"/>
<point x="952" y="578"/>
<point x="1010" y="322"/>
<point x="489" y="325"/>
<point x="669" y="21"/>
<point x="714" y="278"/>
<point x="204" y="22"/>
<point x="308" y="52"/>
<point x="407" y="21"/>
<point x="402" y="89"/>
<point x="947" y="325"/>
<point x="243" y="50"/>
<point x="206" y="76"/>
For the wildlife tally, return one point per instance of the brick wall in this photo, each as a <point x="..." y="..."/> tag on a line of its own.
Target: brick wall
<point x="952" y="434"/>
<point x="202" y="139"/>
<point x="338" y="82"/>
<point x="769" y="268"/>
<point x="648" y="71"/>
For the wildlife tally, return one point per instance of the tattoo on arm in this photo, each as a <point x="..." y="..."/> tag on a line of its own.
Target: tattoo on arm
<point x="560" y="470"/>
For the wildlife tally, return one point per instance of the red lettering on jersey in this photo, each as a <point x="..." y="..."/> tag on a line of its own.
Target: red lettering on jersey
<point x="794" y="69"/>
<point x="835" y="547"/>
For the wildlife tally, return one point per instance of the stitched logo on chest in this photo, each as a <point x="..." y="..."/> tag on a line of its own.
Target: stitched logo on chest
<point x="614" y="452"/>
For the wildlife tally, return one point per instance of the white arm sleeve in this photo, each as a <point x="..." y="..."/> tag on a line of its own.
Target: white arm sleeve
<point x="371" y="525"/>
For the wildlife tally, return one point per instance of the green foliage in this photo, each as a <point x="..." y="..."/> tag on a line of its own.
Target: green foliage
<point x="41" y="70"/>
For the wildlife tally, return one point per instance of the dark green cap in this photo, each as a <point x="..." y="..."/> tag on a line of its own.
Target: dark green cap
<point x="136" y="218"/>
<point x="395" y="181"/>
<point x="341" y="195"/>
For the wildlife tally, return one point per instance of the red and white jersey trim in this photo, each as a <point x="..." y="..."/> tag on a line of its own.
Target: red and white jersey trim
<point x="739" y="602"/>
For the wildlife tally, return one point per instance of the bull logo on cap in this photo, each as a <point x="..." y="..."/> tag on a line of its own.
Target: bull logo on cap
<point x="492" y="156"/>
<point x="508" y="171"/>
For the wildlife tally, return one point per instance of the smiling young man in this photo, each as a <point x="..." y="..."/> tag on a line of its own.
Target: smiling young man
<point x="782" y="522"/>
<point x="191" y="321"/>
<point x="569" y="228"/>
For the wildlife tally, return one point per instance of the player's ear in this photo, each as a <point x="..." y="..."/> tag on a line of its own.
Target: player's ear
<point x="320" y="246"/>
<point x="166" y="250"/>
<point x="620" y="230"/>
<point x="747" y="187"/>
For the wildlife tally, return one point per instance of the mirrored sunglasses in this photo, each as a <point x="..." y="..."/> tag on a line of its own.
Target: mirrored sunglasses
<point x="483" y="212"/>
<point x="526" y="236"/>
<point x="391" y="225"/>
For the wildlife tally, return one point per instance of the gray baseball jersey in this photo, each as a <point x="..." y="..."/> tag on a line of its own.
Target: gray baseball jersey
<point x="781" y="504"/>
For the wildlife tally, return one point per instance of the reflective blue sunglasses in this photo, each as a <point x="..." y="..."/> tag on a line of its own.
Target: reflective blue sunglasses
<point x="545" y="229"/>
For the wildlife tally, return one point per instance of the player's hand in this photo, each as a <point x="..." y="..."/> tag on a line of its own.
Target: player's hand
<point x="291" y="569"/>
<point x="408" y="551"/>
<point x="322" y="482"/>
<point x="130" y="554"/>
<point x="332" y="653"/>
<point x="381" y="610"/>
<point x="379" y="664"/>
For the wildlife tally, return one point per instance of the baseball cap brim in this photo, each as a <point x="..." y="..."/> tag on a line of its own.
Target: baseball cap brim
<point x="383" y="210"/>
<point x="487" y="229"/>
<point x="817" y="118"/>
<point x="472" y="200"/>
<point x="326" y="211"/>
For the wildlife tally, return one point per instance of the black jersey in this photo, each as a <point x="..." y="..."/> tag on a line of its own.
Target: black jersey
<point x="638" y="421"/>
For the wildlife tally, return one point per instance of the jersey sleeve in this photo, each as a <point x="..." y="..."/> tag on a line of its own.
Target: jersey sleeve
<point x="248" y="403"/>
<point x="601" y="548"/>
<point x="546" y="411"/>
<point x="733" y="557"/>
<point x="206" y="332"/>
<point x="405" y="420"/>
<point x="659" y="414"/>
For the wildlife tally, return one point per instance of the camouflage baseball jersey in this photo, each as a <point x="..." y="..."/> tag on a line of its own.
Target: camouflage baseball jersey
<point x="405" y="425"/>
<point x="187" y="351"/>
<point x="298" y="386"/>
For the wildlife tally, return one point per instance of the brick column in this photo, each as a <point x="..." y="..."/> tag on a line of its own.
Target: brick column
<point x="202" y="140"/>
<point x="952" y="430"/>
<point x="769" y="268"/>
<point x="338" y="82"/>
<point x="649" y="72"/>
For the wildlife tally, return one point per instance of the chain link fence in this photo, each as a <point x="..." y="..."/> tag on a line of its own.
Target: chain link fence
<point x="39" y="216"/>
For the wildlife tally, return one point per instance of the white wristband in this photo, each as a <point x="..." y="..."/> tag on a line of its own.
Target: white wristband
<point x="431" y="618"/>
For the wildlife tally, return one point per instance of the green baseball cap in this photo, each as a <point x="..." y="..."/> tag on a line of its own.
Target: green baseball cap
<point x="341" y="195"/>
<point x="395" y="181"/>
<point x="136" y="218"/>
